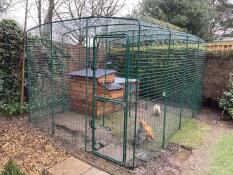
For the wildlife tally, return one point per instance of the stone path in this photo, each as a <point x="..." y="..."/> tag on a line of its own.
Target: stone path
<point x="199" y="162"/>
<point x="73" y="166"/>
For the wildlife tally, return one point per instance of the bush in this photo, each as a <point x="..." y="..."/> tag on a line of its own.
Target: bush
<point x="11" y="45"/>
<point x="226" y="101"/>
<point x="11" y="108"/>
<point x="11" y="169"/>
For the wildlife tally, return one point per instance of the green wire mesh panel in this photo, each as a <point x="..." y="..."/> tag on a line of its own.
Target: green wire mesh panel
<point x="114" y="86"/>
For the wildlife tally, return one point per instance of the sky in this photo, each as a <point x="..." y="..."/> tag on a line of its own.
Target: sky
<point x="19" y="11"/>
<point x="129" y="6"/>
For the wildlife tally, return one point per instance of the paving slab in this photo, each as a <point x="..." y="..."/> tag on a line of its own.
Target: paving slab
<point x="95" y="171"/>
<point x="73" y="166"/>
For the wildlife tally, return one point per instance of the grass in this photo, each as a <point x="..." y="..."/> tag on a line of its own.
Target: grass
<point x="115" y="121"/>
<point x="222" y="156"/>
<point x="191" y="134"/>
<point x="11" y="169"/>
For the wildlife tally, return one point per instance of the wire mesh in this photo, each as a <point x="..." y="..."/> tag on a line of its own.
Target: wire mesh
<point x="117" y="87"/>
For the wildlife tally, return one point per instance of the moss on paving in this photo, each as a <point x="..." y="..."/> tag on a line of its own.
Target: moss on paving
<point x="191" y="134"/>
<point x="222" y="156"/>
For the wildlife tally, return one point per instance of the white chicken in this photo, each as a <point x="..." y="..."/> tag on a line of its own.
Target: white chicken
<point x="157" y="110"/>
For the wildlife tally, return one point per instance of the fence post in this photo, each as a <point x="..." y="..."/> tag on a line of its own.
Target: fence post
<point x="164" y="118"/>
<point x="63" y="72"/>
<point x="28" y="77"/>
<point x="137" y="93"/>
<point x="181" y="110"/>
<point x="52" y="74"/>
<point x="194" y="90"/>
<point x="195" y="103"/>
<point x="86" y="100"/>
<point x="184" y="84"/>
<point x="166" y="90"/>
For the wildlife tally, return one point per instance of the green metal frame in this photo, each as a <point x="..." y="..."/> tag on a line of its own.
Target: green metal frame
<point x="167" y="64"/>
<point x="99" y="98"/>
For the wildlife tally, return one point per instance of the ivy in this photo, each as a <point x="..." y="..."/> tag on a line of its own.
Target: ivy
<point x="11" y="43"/>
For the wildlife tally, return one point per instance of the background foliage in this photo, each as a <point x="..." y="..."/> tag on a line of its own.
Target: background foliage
<point x="194" y="16"/>
<point x="155" y="21"/>
<point x="221" y="26"/>
<point x="11" y="42"/>
<point x="226" y="102"/>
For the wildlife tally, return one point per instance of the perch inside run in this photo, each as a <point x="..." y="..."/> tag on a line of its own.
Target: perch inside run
<point x="83" y="83"/>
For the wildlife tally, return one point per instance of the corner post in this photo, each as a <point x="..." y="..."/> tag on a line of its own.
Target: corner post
<point x="164" y="118"/>
<point x="52" y="75"/>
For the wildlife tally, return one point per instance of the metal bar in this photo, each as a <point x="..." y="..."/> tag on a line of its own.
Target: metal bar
<point x="165" y="94"/>
<point x="181" y="110"/>
<point x="86" y="100"/>
<point x="164" y="118"/>
<point x="126" y="98"/>
<point x="106" y="52"/>
<point x="100" y="98"/>
<point x="29" y="79"/>
<point x="137" y="93"/>
<point x="52" y="78"/>
<point x="63" y="72"/>
<point x="184" y="83"/>
<point x="94" y="94"/>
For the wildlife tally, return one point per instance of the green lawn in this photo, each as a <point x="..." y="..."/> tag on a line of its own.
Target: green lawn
<point x="222" y="156"/>
<point x="191" y="134"/>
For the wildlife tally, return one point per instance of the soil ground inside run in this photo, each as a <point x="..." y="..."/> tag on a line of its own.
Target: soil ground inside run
<point x="35" y="151"/>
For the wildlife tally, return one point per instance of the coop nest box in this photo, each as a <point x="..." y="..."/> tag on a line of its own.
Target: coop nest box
<point x="81" y="83"/>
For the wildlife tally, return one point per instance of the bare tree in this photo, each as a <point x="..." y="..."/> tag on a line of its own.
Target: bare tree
<point x="80" y="8"/>
<point x="5" y="5"/>
<point x="49" y="16"/>
<point x="105" y="7"/>
<point x="222" y="24"/>
<point x="39" y="9"/>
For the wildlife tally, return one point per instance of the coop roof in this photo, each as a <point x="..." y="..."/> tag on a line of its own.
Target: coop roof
<point x="112" y="86"/>
<point x="121" y="80"/>
<point x="89" y="73"/>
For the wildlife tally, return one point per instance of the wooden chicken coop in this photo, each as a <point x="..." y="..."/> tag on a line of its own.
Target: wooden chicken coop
<point x="81" y="90"/>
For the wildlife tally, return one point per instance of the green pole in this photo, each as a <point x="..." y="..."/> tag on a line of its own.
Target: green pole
<point x="87" y="64"/>
<point x="181" y="111"/>
<point x="137" y="88"/>
<point x="28" y="74"/>
<point x="184" y="84"/>
<point x="165" y="93"/>
<point x="105" y="71"/>
<point x="164" y="118"/>
<point x="52" y="74"/>
<point x="199" y="82"/>
<point x="93" y="94"/>
<point x="195" y="101"/>
<point x="63" y="82"/>
<point x="126" y="96"/>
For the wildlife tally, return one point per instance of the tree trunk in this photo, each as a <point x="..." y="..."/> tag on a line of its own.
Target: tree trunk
<point x="49" y="15"/>
<point x="22" y="56"/>
<point x="39" y="12"/>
